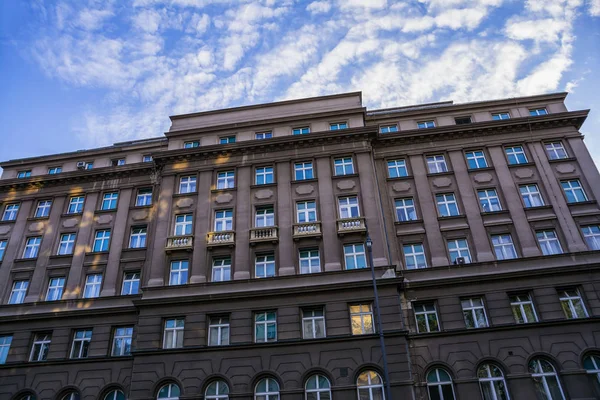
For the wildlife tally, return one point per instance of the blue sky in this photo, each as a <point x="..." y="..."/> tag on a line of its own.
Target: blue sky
<point x="84" y="73"/>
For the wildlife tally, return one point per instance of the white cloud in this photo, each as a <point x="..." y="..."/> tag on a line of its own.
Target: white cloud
<point x="541" y="30"/>
<point x="147" y="20"/>
<point x="594" y="8"/>
<point x="319" y="7"/>
<point x="93" y="19"/>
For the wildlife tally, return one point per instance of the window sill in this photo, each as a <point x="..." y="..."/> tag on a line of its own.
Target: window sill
<point x="399" y="178"/>
<point x="557" y="160"/>
<point x="72" y="214"/>
<point x="23" y="260"/>
<point x="140" y="207"/>
<point x="499" y="212"/>
<point x="311" y="180"/>
<point x="527" y="164"/>
<point x="412" y="221"/>
<point x="59" y="256"/>
<point x="274" y="184"/>
<point x="447" y="173"/>
<point x="38" y="218"/>
<point x="582" y="202"/>
<point x="105" y="211"/>
<point x="344" y="176"/>
<point x="8" y="221"/>
<point x="185" y="194"/>
<point x="544" y="207"/>
<point x="452" y="217"/>
<point x="93" y="253"/>
<point x="481" y="169"/>
<point x="233" y="189"/>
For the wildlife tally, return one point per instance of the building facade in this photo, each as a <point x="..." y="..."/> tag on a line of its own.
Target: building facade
<point x="229" y="260"/>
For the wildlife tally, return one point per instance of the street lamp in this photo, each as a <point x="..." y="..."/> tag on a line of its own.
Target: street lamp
<point x="386" y="375"/>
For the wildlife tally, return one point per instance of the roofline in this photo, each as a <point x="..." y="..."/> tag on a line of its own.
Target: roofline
<point x="262" y="105"/>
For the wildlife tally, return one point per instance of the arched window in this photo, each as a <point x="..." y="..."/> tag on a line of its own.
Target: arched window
<point x="27" y="396"/>
<point x="317" y="388"/>
<point x="491" y="381"/>
<point x="170" y="391"/>
<point x="217" y="390"/>
<point x="72" y="395"/>
<point x="115" y="394"/>
<point x="546" y="380"/>
<point x="439" y="385"/>
<point x="370" y="386"/>
<point x="591" y="364"/>
<point x="266" y="389"/>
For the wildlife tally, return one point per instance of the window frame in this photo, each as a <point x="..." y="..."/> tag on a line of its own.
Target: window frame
<point x="189" y="182"/>
<point x="303" y="171"/>
<point x="77" y="203"/>
<point x="5" y="343"/>
<point x="542" y="376"/>
<point x="220" y="327"/>
<point x="126" y="338"/>
<point x="95" y="286"/>
<point x="529" y="197"/>
<point x="32" y="247"/>
<point x="592" y="239"/>
<point x="546" y="242"/>
<point x="471" y="155"/>
<point x="553" y="151"/>
<point x="405" y="209"/>
<point x="345" y="164"/>
<point x="459" y="250"/>
<point x="131" y="282"/>
<point x="108" y="199"/>
<point x="414" y="254"/>
<point x="486" y="198"/>
<point x="266" y="174"/>
<point x="225" y="220"/>
<point x="43" y="340"/>
<point x="143" y="197"/>
<point x="263" y="215"/>
<point x="11" y="211"/>
<point x="226" y="179"/>
<point x="300" y="130"/>
<point x="306" y="212"/>
<point x="573" y="190"/>
<point x="338" y="126"/>
<point x="511" y="151"/>
<point x="184" y="224"/>
<point x="191" y="144"/>
<point x="426" y="124"/>
<point x="227" y="139"/>
<point x="3" y="246"/>
<point x="536" y="112"/>
<point x="310" y="258"/>
<point x="313" y="320"/>
<point x="265" y="135"/>
<point x="370" y="386"/>
<point x="354" y="254"/>
<point x="45" y="206"/>
<point x="500" y="115"/>
<point x="569" y="299"/>
<point x="491" y="380"/>
<point x="520" y="304"/>
<point x="19" y="293"/>
<point x="266" y="260"/>
<point x="399" y="165"/>
<point x="360" y="314"/>
<point x="138" y="236"/>
<point x="57" y="289"/>
<point x="472" y="310"/>
<point x="437" y="160"/>
<point x="265" y="323"/>
<point x="444" y="206"/>
<point x="180" y="272"/>
<point x="389" y="128"/>
<point x="104" y="240"/>
<point x="82" y="342"/>
<point x="503" y="246"/>
<point x="347" y="206"/>
<point x="224" y="269"/>
<point x="176" y="332"/>
<point x="66" y="247"/>
<point x="425" y="313"/>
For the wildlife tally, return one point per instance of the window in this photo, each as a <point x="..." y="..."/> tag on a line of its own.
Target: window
<point x="265" y="216"/>
<point x="591" y="363"/>
<point x="370" y="386"/>
<point x="18" y="292"/>
<point x="121" y="345"/>
<point x="301" y="131"/>
<point x="405" y="209"/>
<point x="338" y="125"/>
<point x="54" y="170"/>
<point x="24" y="174"/>
<point x="143" y="198"/>
<point x="5" y="342"/>
<point x="88" y="165"/>
<point x="217" y="390"/>
<point x="425" y="124"/>
<point x="118" y="162"/>
<point x="187" y="184"/>
<point x="531" y="196"/>
<point x="354" y="256"/>
<point x="71" y="395"/>
<point x="226" y="180"/>
<point x="303" y="171"/>
<point x="115" y="395"/>
<point x="93" y="283"/>
<point x="462" y="120"/>
<point x="10" y="212"/>
<point x="137" y="239"/>
<point x="55" y="289"/>
<point x="265" y="327"/>
<point x="574" y="191"/>
<point x="545" y="379"/>
<point x="264" y="176"/>
<point x="310" y="261"/>
<point x="264" y="135"/>
<point x="221" y="269"/>
<point x="500" y="116"/>
<point x="439" y="385"/>
<point x="66" y="244"/>
<point x="538" y="111"/>
<point x="306" y="211"/>
<point x="343" y="166"/>
<point x="169" y="392"/>
<point x="32" y="247"/>
<point x="264" y="266"/>
<point x="361" y="317"/>
<point x="515" y="155"/>
<point x="446" y="204"/>
<point x="414" y="256"/>
<point x="191" y="145"/>
<point x="522" y="308"/>
<point x="436" y="164"/>
<point x="2" y="248"/>
<point x="218" y="331"/>
<point x="426" y="316"/>
<point x="223" y="220"/>
<point x="173" y="335"/>
<point x="109" y="201"/>
<point x="556" y="150"/>
<point x="266" y="389"/>
<point x="459" y="248"/>
<point x="179" y="273"/>
<point x="348" y="207"/>
<point x="397" y="168"/>
<point x="75" y="205"/>
<point x="591" y="233"/>
<point x="101" y="240"/>
<point x="549" y="242"/>
<point x="491" y="382"/>
<point x="183" y="224"/>
<point x="39" y="349"/>
<point x="146" y="158"/>
<point x="503" y="247"/>
<point x="476" y="159"/>
<point x="488" y="200"/>
<point x="227" y="140"/>
<point x="317" y="387"/>
<point x="131" y="283"/>
<point x="572" y="303"/>
<point x="474" y="312"/>
<point x="313" y="323"/>
<point x="388" y="128"/>
<point x="81" y="343"/>
<point x="43" y="208"/>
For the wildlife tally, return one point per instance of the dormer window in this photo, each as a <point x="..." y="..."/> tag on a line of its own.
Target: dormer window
<point x="425" y="124"/>
<point x="227" y="140"/>
<point x="191" y="145"/>
<point x="54" y="170"/>
<point x="264" y="135"/>
<point x="118" y="162"/>
<point x="462" y="120"/>
<point x="388" y="128"/>
<point x="24" y="174"/>
<point x="147" y="158"/>
<point x="538" y="111"/>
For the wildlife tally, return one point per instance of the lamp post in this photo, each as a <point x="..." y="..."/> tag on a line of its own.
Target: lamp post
<point x="386" y="375"/>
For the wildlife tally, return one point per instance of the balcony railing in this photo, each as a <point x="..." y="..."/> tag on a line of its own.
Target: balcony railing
<point x="351" y="225"/>
<point x="180" y="243"/>
<point x="307" y="229"/>
<point x="224" y="238"/>
<point x="265" y="234"/>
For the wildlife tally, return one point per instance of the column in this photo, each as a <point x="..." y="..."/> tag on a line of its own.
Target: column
<point x="328" y="216"/>
<point x="202" y="225"/>
<point x="471" y="207"/>
<point x="161" y="231"/>
<point x="285" y="212"/>
<point x="243" y="216"/>
<point x="14" y="243"/>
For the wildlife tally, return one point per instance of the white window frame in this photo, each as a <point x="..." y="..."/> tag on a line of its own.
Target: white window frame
<point x="191" y="144"/>
<point x="486" y="199"/>
<point x="479" y="160"/>
<point x="264" y="325"/>
<point x="548" y="238"/>
<point x="556" y="150"/>
<point x="491" y="380"/>
<point x="221" y="390"/>
<point x="221" y="269"/>
<point x="170" y="392"/>
<point x="305" y="169"/>
<point x="102" y="236"/>
<point x="176" y="275"/>
<point x="322" y="392"/>
<point x="574" y="187"/>
<point x="121" y="340"/>
<point x="397" y="168"/>
<point x="591" y="238"/>
<point x="93" y="283"/>
<point x="543" y="376"/>
<point x="263" y="135"/>
<point x="66" y="245"/>
<point x="76" y="204"/>
<point x="176" y="333"/>
<point x="420" y="310"/>
<point x="568" y="299"/>
<point x="3" y="244"/>
<point x="32" y="247"/>
<point x="227" y="139"/>
<point x="388" y="128"/>
<point x="536" y="112"/>
<point x="184" y="224"/>
<point x="472" y="308"/>
<point x="24" y="174"/>
<point x="310" y="319"/>
<point x="147" y="158"/>
<point x="187" y="184"/>
<point x="265" y="174"/>
<point x="345" y="164"/>
<point x="461" y="249"/>
<point x="530" y="193"/>
<point x="363" y="311"/>
<point x="502" y="245"/>
<point x="130" y="278"/>
<point x="10" y="212"/>
<point x="216" y="328"/>
<point x="137" y="237"/>
<point x="444" y="201"/>
<point x="501" y="116"/>
<point x="264" y="261"/>
<point x="81" y="351"/>
<point x="55" y="288"/>
<point x="5" y="342"/>
<point x="43" y="340"/>
<point x="108" y="199"/>
<point x="264" y="216"/>
<point x="405" y="209"/>
<point x="370" y="387"/>
<point x="43" y="208"/>
<point x="222" y="220"/>
<point x="311" y="259"/>
<point x="518" y="302"/>
<point x="54" y="170"/>
<point x="426" y="124"/>
<point x="414" y="254"/>
<point x="303" y="215"/>
<point x="18" y="291"/>
<point x="336" y="126"/>
<point x="355" y="251"/>
<point x="225" y="180"/>
<point x="303" y="130"/>
<point x="347" y="206"/>
<point x="436" y="164"/>
<point x="594" y="359"/>
<point x="515" y="151"/>
<point x="143" y="197"/>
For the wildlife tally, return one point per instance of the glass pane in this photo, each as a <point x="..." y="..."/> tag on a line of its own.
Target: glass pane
<point x="312" y="382"/>
<point x="554" y="387"/>
<point x="434" y="393"/>
<point x="433" y="322"/>
<point x="447" y="392"/>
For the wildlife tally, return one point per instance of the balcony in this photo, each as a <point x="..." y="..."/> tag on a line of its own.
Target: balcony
<point x="351" y="225"/>
<point x="224" y="238"/>
<point x="265" y="234"/>
<point x="307" y="229"/>
<point x="180" y="243"/>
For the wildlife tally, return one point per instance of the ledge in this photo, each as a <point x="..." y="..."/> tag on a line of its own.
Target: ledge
<point x="447" y="173"/>
<point x="266" y="185"/>
<point x="481" y="169"/>
<point x="299" y="181"/>
<point x="69" y="215"/>
<point x="185" y="194"/>
<point x="111" y="210"/>
<point x="559" y="160"/>
<point x="233" y="189"/>
<point x="355" y="175"/>
<point x="400" y="178"/>
<point x="527" y="164"/>
<point x="38" y="218"/>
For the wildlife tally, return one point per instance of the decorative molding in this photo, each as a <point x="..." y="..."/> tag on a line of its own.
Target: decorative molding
<point x="263" y="194"/>
<point x="184" y="202"/>
<point x="36" y="226"/>
<point x="483" y="177"/>
<point x="346" y="184"/>
<point x="401" y="187"/>
<point x="305" y="189"/>
<point x="103" y="219"/>
<point x="565" y="168"/>
<point x="224" y="198"/>
<point x="139" y="215"/>
<point x="442" y="182"/>
<point x="4" y="229"/>
<point x="70" y="223"/>
<point x="524" y="173"/>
